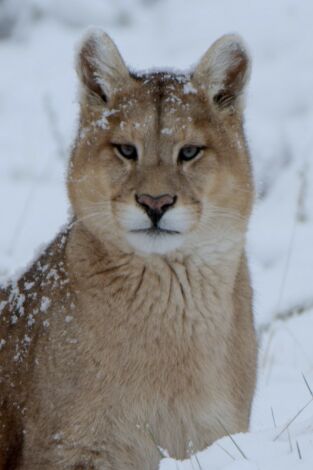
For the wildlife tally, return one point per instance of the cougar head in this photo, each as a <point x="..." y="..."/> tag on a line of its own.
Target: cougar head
<point x="160" y="163"/>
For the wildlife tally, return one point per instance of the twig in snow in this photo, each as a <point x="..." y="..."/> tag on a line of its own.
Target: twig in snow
<point x="190" y="452"/>
<point x="302" y="215"/>
<point x="299" y="452"/>
<point x="289" y="439"/>
<point x="29" y="197"/>
<point x="273" y="417"/>
<point x="287" y="264"/>
<point x="53" y="124"/>
<point x="233" y="440"/>
<point x="25" y="209"/>
<point x="270" y="368"/>
<point x="22" y="218"/>
<point x="193" y="454"/>
<point x="300" y="347"/>
<point x="190" y="458"/>
<point x="307" y="384"/>
<point x="293" y="419"/>
<point x="299" y="412"/>
<point x="197" y="460"/>
<point x="226" y="451"/>
<point x="287" y="314"/>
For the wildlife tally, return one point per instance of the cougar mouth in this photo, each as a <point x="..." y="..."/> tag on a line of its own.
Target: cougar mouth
<point x="154" y="239"/>
<point x="155" y="231"/>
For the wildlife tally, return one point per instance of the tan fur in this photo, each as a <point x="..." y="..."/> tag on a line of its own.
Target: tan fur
<point x="111" y="352"/>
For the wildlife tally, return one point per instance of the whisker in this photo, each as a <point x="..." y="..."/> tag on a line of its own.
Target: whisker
<point x="224" y="215"/>
<point x="80" y="219"/>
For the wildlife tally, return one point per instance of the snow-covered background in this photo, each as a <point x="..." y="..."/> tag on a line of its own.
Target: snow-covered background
<point x="38" y="115"/>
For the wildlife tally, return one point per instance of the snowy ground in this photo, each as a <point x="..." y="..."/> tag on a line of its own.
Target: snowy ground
<point x="38" y="113"/>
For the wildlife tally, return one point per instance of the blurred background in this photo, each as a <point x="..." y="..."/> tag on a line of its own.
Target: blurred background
<point x="38" y="119"/>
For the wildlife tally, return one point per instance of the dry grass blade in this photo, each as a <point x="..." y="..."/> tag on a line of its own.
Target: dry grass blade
<point x="290" y="442"/>
<point x="285" y="315"/>
<point x="191" y="462"/>
<point x="226" y="451"/>
<point x="302" y="215"/>
<point x="293" y="419"/>
<point x="154" y="441"/>
<point x="273" y="417"/>
<point x="307" y="384"/>
<point x="54" y="127"/>
<point x="233" y="440"/>
<point x="298" y="449"/>
<point x="198" y="463"/>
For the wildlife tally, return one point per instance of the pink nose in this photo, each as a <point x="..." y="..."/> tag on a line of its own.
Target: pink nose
<point x="156" y="205"/>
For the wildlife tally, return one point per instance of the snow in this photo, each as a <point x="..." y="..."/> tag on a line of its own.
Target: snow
<point x="44" y="304"/>
<point x="103" y="122"/>
<point x="259" y="451"/>
<point x="166" y="131"/>
<point x="189" y="88"/>
<point x="38" y="121"/>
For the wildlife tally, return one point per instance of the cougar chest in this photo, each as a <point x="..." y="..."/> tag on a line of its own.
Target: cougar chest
<point x="158" y="325"/>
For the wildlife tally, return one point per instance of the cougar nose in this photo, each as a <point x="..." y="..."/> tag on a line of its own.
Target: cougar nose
<point x="155" y="206"/>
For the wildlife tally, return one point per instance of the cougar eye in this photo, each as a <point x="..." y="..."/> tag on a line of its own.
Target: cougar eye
<point x="127" y="151"/>
<point x="189" y="152"/>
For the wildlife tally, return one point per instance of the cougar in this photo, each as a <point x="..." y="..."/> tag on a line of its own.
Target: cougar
<point x="133" y="330"/>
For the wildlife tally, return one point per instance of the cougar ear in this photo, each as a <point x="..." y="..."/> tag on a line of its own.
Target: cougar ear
<point x="99" y="64"/>
<point x="224" y="70"/>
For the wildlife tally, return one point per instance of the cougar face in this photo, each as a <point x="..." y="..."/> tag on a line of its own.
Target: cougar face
<point x="160" y="163"/>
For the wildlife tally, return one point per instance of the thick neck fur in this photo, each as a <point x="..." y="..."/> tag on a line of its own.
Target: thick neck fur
<point x="180" y="287"/>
